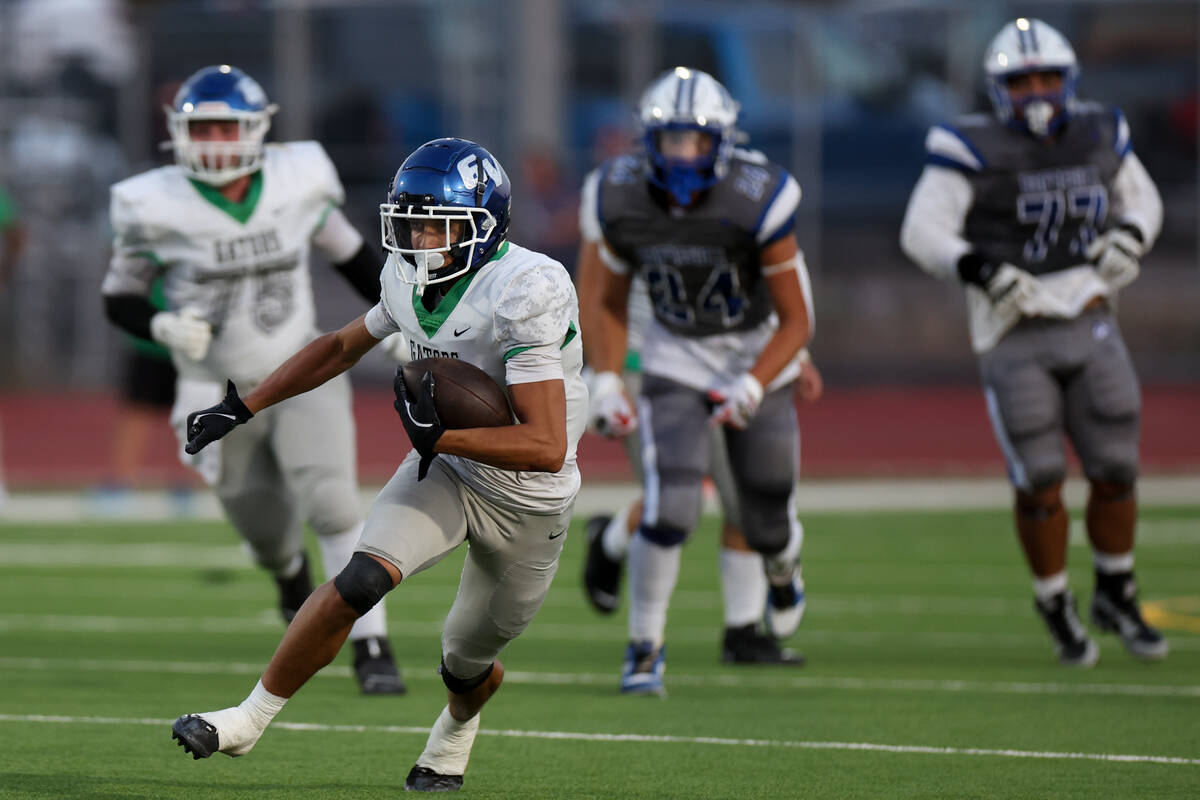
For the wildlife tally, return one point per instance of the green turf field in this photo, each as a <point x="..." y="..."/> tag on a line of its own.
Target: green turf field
<point x="929" y="677"/>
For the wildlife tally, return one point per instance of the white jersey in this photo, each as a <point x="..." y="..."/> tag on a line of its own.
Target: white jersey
<point x="244" y="266"/>
<point x="516" y="319"/>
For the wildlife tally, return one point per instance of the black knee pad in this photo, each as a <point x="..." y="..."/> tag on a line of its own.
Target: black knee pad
<point x="463" y="685"/>
<point x="767" y="521"/>
<point x="663" y="535"/>
<point x="363" y="583"/>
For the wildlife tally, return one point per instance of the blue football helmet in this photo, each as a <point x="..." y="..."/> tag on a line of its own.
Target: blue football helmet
<point x="1030" y="45"/>
<point x="219" y="93"/>
<point x="684" y="99"/>
<point x="452" y="183"/>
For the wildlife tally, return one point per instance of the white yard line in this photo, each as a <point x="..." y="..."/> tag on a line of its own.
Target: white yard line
<point x="740" y="681"/>
<point x="812" y="496"/>
<point x="653" y="739"/>
<point x="544" y="631"/>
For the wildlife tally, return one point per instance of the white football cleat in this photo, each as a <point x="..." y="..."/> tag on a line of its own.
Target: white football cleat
<point x="785" y="606"/>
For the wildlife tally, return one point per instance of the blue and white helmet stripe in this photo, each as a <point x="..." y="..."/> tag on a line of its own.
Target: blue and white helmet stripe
<point x="1029" y="45"/>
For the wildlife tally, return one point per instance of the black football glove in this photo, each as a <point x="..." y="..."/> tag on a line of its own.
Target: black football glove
<point x="420" y="418"/>
<point x="210" y="424"/>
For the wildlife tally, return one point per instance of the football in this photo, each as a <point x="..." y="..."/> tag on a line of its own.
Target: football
<point x="465" y="396"/>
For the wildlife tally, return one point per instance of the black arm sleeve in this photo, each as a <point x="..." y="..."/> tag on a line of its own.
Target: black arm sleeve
<point x="131" y="313"/>
<point x="362" y="271"/>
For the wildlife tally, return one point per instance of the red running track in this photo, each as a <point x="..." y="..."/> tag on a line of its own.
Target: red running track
<point x="64" y="440"/>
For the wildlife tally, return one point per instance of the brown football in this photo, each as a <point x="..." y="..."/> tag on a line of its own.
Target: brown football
<point x="465" y="396"/>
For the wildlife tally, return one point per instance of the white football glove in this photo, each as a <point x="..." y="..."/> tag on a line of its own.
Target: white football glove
<point x="611" y="413"/>
<point x="185" y="331"/>
<point x="1116" y="253"/>
<point x="736" y="402"/>
<point x="1012" y="291"/>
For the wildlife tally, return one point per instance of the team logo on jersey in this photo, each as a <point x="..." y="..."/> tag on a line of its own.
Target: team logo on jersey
<point x="468" y="170"/>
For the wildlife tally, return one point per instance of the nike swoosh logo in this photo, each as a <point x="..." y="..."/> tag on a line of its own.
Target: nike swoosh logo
<point x="560" y="533"/>
<point x="218" y="414"/>
<point x="464" y="330"/>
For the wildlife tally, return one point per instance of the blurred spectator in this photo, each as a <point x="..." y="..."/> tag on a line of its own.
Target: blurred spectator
<point x="546" y="215"/>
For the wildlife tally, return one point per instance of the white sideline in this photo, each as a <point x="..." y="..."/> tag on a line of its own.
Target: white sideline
<point x="868" y="494"/>
<point x="424" y="672"/>
<point x="654" y="739"/>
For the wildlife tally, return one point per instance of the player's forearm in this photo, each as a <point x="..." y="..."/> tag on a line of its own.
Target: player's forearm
<point x="781" y="349"/>
<point x="613" y="334"/>
<point x="319" y="361"/>
<point x="528" y="448"/>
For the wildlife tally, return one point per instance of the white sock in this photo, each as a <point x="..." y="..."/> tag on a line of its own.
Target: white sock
<point x="449" y="745"/>
<point x="336" y="551"/>
<point x="744" y="586"/>
<point x="653" y="570"/>
<point x="615" y="538"/>
<point x="1045" y="588"/>
<point x="239" y="727"/>
<point x="1113" y="563"/>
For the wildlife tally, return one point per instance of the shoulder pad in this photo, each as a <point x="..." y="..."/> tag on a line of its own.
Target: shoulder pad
<point x="948" y="145"/>
<point x="753" y="156"/>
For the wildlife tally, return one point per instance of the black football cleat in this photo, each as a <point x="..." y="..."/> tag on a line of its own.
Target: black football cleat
<point x="295" y="590"/>
<point x="1071" y="642"/>
<point x="195" y="736"/>
<point x="748" y="645"/>
<point x="375" y="669"/>
<point x="1115" y="609"/>
<point x="423" y="779"/>
<point x="601" y="575"/>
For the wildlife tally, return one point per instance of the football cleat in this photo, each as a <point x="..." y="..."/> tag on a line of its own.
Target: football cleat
<point x="295" y="590"/>
<point x="1074" y="647"/>
<point x="643" y="670"/>
<point x="785" y="607"/>
<point x="199" y="734"/>
<point x="748" y="645"/>
<point x="374" y="667"/>
<point x="423" y="779"/>
<point x="601" y="575"/>
<point x="1117" y="611"/>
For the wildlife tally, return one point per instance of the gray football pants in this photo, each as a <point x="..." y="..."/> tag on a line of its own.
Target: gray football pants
<point x="719" y="469"/>
<point x="510" y="562"/>
<point x="763" y="460"/>
<point x="292" y="463"/>
<point x="1047" y="378"/>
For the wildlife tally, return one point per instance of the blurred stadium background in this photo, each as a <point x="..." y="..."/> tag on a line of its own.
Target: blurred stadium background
<point x="840" y="93"/>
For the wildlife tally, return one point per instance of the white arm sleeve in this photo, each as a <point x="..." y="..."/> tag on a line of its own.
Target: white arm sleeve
<point x="535" y="364"/>
<point x="134" y="265"/>
<point x="336" y="237"/>
<point x="589" y="210"/>
<point x="1135" y="199"/>
<point x="379" y="322"/>
<point x="931" y="234"/>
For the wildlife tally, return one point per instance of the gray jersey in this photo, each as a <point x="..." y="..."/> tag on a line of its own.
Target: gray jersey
<point x="701" y="263"/>
<point x="1037" y="205"/>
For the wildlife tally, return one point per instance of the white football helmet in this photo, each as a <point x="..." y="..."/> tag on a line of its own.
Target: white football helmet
<point x="1030" y="45"/>
<point x="687" y="99"/>
<point x="219" y="93"/>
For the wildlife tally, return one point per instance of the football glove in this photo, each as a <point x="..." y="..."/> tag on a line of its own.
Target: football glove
<point x="210" y="424"/>
<point x="185" y="331"/>
<point x="611" y="414"/>
<point x="737" y="402"/>
<point x="420" y="418"/>
<point x="1012" y="291"/>
<point x="1116" y="254"/>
